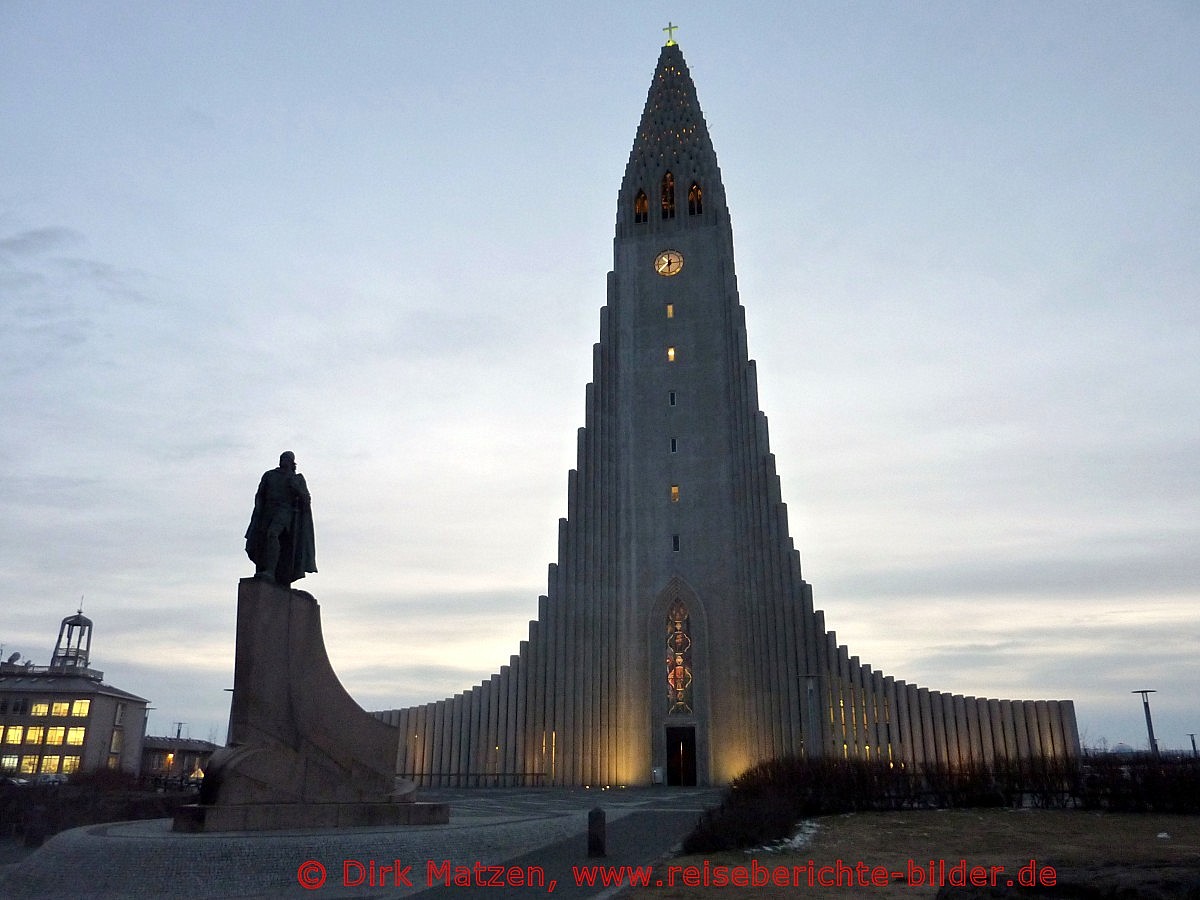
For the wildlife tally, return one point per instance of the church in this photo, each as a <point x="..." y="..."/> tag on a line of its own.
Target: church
<point x="677" y="641"/>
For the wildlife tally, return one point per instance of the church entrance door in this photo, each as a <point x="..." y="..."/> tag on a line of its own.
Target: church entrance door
<point x="681" y="756"/>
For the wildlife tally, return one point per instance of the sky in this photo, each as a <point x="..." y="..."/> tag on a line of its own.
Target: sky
<point x="377" y="234"/>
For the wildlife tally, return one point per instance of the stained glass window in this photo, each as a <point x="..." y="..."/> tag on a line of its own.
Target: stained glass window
<point x="679" y="660"/>
<point x="641" y="208"/>
<point x="695" y="200"/>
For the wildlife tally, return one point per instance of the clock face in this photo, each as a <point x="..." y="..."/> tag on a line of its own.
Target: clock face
<point x="669" y="262"/>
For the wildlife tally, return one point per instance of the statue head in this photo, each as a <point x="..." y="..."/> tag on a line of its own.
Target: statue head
<point x="287" y="460"/>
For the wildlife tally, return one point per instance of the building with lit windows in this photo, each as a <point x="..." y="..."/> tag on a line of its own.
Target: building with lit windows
<point x="677" y="640"/>
<point x="175" y="758"/>
<point x="62" y="718"/>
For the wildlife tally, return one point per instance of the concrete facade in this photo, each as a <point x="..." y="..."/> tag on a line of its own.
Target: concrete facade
<point x="677" y="639"/>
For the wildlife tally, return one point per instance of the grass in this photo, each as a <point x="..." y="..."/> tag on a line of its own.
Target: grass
<point x="983" y="837"/>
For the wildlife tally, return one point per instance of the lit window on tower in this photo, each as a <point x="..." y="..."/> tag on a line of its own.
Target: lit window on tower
<point x="674" y="493"/>
<point x="670" y="310"/>
<point x="679" y="660"/>
<point x="668" y="196"/>
<point x="670" y="354"/>
<point x="641" y="208"/>
<point x="695" y="200"/>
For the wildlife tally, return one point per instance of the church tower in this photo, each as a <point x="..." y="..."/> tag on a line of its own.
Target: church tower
<point x="677" y="640"/>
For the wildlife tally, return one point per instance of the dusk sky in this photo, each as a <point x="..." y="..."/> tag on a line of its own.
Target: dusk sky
<point x="377" y="234"/>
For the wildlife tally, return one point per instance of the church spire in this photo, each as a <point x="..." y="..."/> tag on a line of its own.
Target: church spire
<point x="672" y="177"/>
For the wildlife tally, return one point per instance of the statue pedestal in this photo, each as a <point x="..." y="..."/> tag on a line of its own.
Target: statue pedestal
<point x="302" y="753"/>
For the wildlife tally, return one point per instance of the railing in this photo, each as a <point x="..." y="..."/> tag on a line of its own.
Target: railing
<point x="481" y="779"/>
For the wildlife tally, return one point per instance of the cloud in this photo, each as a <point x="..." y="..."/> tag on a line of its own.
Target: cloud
<point x="38" y="241"/>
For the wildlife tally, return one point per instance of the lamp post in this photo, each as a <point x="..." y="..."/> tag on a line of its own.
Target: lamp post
<point x="1145" y="692"/>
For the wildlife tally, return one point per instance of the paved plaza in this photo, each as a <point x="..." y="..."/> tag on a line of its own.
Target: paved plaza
<point x="528" y="830"/>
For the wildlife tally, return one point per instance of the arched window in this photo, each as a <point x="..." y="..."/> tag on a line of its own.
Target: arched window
<point x="679" y="660"/>
<point x="695" y="199"/>
<point x="641" y="208"/>
<point x="668" y="196"/>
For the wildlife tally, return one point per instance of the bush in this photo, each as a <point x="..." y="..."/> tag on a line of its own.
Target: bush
<point x="766" y="802"/>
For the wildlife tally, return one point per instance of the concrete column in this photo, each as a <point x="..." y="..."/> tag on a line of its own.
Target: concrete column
<point x="480" y="745"/>
<point x="561" y="619"/>
<point x="903" y="744"/>
<point x="537" y="693"/>
<point x="420" y="732"/>
<point x="457" y="762"/>
<point x="490" y="765"/>
<point x="522" y="739"/>
<point x="987" y="747"/>
<point x="404" y="752"/>
<point x="1008" y="715"/>
<point x="1070" y="728"/>
<point x="930" y="724"/>
<point x="569" y="675"/>
<point x="1021" y="720"/>
<point x="937" y="710"/>
<point x="439" y="759"/>
<point x="1045" y="744"/>
<point x="917" y="726"/>
<point x="960" y="748"/>
<point x="881" y="709"/>
<point x="811" y="665"/>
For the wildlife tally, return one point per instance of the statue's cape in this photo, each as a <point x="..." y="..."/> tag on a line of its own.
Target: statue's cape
<point x="297" y="545"/>
<point x="303" y="556"/>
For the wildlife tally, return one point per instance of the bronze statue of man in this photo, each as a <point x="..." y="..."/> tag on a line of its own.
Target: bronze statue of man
<point x="280" y="537"/>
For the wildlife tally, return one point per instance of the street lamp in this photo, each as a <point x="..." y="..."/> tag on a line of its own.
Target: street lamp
<point x="1145" y="692"/>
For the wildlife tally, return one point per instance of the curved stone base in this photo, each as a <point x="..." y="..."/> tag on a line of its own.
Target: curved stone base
<point x="302" y="753"/>
<point x="287" y="816"/>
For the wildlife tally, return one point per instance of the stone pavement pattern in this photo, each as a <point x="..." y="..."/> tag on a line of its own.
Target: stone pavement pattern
<point x="546" y="827"/>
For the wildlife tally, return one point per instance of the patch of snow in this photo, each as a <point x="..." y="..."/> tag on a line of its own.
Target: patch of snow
<point x="801" y="838"/>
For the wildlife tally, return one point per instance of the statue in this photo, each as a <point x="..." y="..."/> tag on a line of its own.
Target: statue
<point x="280" y="537"/>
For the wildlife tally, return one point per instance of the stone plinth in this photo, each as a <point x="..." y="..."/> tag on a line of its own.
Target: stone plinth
<point x="302" y="753"/>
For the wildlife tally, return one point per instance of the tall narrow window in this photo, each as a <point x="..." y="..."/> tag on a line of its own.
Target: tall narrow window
<point x="670" y="310"/>
<point x="674" y="493"/>
<point x="675" y="542"/>
<point x="641" y="208"/>
<point x="679" y="660"/>
<point x="671" y="398"/>
<point x="695" y="199"/>
<point x="668" y="196"/>
<point x="670" y="354"/>
<point x="674" y="445"/>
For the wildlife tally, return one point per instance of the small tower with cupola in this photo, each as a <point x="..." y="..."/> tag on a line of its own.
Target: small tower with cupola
<point x="74" y="644"/>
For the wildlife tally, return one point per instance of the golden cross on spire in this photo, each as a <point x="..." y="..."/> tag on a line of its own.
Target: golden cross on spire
<point x="670" y="30"/>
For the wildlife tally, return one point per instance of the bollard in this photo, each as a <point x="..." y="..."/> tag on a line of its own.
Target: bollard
<point x="596" y="833"/>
